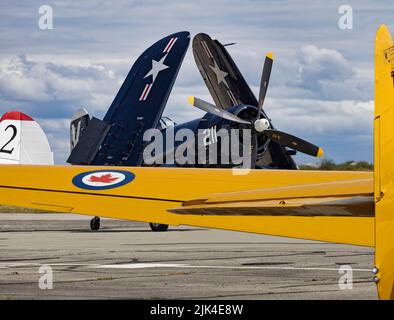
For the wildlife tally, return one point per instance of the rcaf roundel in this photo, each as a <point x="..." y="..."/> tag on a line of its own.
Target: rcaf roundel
<point x="102" y="179"/>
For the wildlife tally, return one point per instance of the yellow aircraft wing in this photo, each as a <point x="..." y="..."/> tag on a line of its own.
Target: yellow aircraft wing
<point x="340" y="198"/>
<point x="151" y="192"/>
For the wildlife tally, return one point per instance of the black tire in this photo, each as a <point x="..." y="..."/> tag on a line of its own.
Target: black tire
<point x="158" y="227"/>
<point x="95" y="224"/>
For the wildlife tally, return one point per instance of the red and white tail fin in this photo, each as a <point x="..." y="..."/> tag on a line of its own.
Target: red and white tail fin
<point x="22" y="140"/>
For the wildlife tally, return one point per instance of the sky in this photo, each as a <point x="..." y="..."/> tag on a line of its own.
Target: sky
<point x="321" y="86"/>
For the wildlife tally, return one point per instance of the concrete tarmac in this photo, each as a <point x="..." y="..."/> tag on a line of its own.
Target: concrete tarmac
<point x="126" y="260"/>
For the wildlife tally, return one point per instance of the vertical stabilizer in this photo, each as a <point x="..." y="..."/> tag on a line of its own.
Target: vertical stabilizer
<point x="22" y="140"/>
<point x="78" y="124"/>
<point x="384" y="162"/>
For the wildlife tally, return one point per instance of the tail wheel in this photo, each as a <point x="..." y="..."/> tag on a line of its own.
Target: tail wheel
<point x="95" y="224"/>
<point x="158" y="227"/>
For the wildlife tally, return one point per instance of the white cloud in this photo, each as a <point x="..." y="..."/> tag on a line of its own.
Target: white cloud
<point x="58" y="88"/>
<point x="321" y="117"/>
<point x="57" y="131"/>
<point x="321" y="85"/>
<point x="319" y="66"/>
<point x="15" y="85"/>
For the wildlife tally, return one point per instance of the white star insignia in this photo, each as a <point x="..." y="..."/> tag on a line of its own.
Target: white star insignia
<point x="157" y="66"/>
<point x="220" y="75"/>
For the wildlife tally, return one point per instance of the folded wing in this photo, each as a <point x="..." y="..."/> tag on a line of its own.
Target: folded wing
<point x="221" y="75"/>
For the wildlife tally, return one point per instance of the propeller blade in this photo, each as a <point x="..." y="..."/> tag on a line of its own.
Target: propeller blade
<point x="265" y="78"/>
<point x="293" y="142"/>
<point x="212" y="109"/>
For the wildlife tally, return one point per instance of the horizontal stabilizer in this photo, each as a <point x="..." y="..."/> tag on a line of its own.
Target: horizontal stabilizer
<point x="138" y="194"/>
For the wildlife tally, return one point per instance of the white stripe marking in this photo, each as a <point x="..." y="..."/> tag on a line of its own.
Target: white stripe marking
<point x="205" y="47"/>
<point x="232" y="98"/>
<point x="169" y="42"/>
<point x="169" y="45"/>
<point x="140" y="266"/>
<point x="169" y="49"/>
<point x="145" y="92"/>
<point x="169" y="265"/>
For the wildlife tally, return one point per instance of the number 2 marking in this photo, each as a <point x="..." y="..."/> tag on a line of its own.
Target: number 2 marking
<point x="14" y="131"/>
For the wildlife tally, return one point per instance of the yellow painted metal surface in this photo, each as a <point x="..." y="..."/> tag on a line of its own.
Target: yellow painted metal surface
<point x="357" y="206"/>
<point x="338" y="188"/>
<point x="384" y="161"/>
<point x="340" y="198"/>
<point x="155" y="190"/>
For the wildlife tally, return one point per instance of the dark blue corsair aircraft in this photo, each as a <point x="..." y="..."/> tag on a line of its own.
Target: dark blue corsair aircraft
<point x="139" y="105"/>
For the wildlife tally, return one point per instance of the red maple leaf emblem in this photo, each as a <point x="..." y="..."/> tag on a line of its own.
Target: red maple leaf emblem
<point x="105" y="178"/>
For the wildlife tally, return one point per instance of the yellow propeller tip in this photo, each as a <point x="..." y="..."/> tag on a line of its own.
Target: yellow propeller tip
<point x="270" y="55"/>
<point x="320" y="153"/>
<point x="191" y="100"/>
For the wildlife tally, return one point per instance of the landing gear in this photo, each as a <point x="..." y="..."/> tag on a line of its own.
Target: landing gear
<point x="95" y="224"/>
<point x="158" y="227"/>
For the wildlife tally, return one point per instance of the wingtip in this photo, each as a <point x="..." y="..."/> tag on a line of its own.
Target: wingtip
<point x="270" y="55"/>
<point x="191" y="100"/>
<point x="320" y="153"/>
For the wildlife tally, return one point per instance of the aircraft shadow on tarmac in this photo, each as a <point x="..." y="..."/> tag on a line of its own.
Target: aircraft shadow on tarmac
<point x="101" y="230"/>
<point x="128" y="230"/>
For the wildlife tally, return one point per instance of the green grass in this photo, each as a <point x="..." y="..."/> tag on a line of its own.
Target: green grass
<point x="7" y="298"/>
<point x="327" y="164"/>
